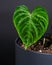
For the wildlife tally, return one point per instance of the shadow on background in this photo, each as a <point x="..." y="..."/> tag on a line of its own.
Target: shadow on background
<point x="7" y="39"/>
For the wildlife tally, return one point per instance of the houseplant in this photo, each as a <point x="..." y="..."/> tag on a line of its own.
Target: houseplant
<point x="31" y="28"/>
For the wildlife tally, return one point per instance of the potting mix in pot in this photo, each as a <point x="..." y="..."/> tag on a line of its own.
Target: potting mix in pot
<point x="31" y="28"/>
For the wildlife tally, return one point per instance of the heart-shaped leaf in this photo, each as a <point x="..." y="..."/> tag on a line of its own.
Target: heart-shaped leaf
<point x="30" y="26"/>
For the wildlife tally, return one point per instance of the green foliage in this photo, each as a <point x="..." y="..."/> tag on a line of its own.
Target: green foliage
<point x="30" y="26"/>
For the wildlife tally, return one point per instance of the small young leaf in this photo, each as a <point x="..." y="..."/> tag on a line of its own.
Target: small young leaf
<point x="30" y="26"/>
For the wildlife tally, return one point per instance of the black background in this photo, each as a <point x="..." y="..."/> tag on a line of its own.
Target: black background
<point x="8" y="33"/>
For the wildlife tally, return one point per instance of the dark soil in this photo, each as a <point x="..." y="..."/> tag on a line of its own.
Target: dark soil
<point x="44" y="45"/>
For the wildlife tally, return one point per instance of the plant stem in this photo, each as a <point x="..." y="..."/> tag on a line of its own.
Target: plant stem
<point x="43" y="41"/>
<point x="26" y="47"/>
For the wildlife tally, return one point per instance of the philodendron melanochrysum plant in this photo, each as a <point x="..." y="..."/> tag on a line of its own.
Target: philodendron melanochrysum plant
<point x="30" y="26"/>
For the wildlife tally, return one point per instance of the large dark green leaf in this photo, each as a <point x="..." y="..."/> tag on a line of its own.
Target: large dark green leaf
<point x="30" y="26"/>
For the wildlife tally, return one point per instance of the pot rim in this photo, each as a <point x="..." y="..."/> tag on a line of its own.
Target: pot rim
<point x="31" y="51"/>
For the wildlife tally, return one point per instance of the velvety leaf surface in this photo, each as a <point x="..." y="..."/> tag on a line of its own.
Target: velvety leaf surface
<point x="30" y="26"/>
